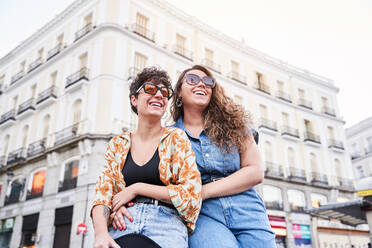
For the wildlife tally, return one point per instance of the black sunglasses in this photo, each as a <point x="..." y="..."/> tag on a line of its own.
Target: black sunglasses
<point x="193" y="79"/>
<point x="152" y="89"/>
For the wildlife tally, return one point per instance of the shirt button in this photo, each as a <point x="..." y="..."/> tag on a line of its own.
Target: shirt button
<point x="207" y="155"/>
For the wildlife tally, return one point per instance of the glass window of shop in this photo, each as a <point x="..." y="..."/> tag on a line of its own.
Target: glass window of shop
<point x="296" y="199"/>
<point x="29" y="228"/>
<point x="62" y="223"/>
<point x="318" y="200"/>
<point x="272" y="197"/>
<point x="6" y="230"/>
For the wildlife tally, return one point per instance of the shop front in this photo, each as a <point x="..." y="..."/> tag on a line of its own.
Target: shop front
<point x="279" y="227"/>
<point x="301" y="235"/>
<point x="6" y="230"/>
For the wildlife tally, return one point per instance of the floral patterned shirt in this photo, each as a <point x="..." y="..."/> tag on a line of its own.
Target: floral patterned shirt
<point x="177" y="169"/>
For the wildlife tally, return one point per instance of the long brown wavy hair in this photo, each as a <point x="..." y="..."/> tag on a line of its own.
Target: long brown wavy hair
<point x="225" y="122"/>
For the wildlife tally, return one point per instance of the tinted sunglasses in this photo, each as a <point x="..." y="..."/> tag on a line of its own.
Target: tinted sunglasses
<point x="152" y="89"/>
<point x="193" y="79"/>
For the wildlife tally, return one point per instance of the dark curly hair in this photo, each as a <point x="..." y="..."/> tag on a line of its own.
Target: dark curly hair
<point x="153" y="74"/>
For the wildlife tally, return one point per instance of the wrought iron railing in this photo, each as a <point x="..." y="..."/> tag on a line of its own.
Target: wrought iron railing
<point x="14" y="198"/>
<point x="143" y="31"/>
<point x="48" y="93"/>
<point x="262" y="87"/>
<point x="55" y="50"/>
<point x="309" y="136"/>
<point x="10" y="115"/>
<point x="275" y="205"/>
<point x="296" y="174"/>
<point x="345" y="184"/>
<point x="237" y="77"/>
<point x="180" y="50"/>
<point x="17" y="77"/>
<point x="287" y="130"/>
<point x="35" y="64"/>
<point x="37" y="147"/>
<point x="273" y="170"/>
<point x="2" y="161"/>
<point x="268" y="124"/>
<point x="297" y="209"/>
<point x="66" y="134"/>
<point x="16" y="156"/>
<point x="336" y="143"/>
<point x="67" y="183"/>
<point x="34" y="193"/>
<point x="29" y="104"/>
<point x="328" y="111"/>
<point x="283" y="95"/>
<point x="86" y="29"/>
<point x="83" y="73"/>
<point x="211" y="65"/>
<point x="305" y="103"/>
<point x="318" y="178"/>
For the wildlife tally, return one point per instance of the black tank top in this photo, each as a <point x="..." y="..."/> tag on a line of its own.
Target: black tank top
<point x="147" y="173"/>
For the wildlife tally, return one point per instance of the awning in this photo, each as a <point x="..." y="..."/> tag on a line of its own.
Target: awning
<point x="350" y="213"/>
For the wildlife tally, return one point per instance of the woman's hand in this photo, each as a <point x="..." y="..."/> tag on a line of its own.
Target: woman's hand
<point x="124" y="197"/>
<point x="104" y="241"/>
<point x="118" y="221"/>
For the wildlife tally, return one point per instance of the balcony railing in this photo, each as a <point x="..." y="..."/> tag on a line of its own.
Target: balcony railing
<point x="29" y="104"/>
<point x="143" y="31"/>
<point x="2" y="161"/>
<point x="368" y="150"/>
<point x="16" y="156"/>
<point x="297" y="209"/>
<point x="182" y="52"/>
<point x="355" y="155"/>
<point x="67" y="183"/>
<point x="237" y="77"/>
<point x="345" y="184"/>
<point x="296" y="174"/>
<point x="48" y="93"/>
<point x="328" y="111"/>
<point x="317" y="178"/>
<point x="211" y="65"/>
<point x="283" y="95"/>
<point x="287" y="130"/>
<point x="86" y="29"/>
<point x="262" y="87"/>
<point x="10" y="115"/>
<point x="35" y="64"/>
<point x="336" y="144"/>
<point x="14" y="198"/>
<point x="132" y="73"/>
<point x="66" y="134"/>
<point x="83" y="73"/>
<point x="37" y="147"/>
<point x="268" y="124"/>
<point x="308" y="136"/>
<point x="273" y="170"/>
<point x="17" y="77"/>
<point x="55" y="50"/>
<point x="275" y="205"/>
<point x="305" y="103"/>
<point x="34" y="193"/>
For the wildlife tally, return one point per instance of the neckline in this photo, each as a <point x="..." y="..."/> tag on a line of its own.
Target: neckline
<point x="156" y="153"/>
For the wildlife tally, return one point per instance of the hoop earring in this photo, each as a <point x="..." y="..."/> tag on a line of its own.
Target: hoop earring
<point x="179" y="102"/>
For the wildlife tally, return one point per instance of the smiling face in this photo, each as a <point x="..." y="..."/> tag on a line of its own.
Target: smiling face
<point x="150" y="105"/>
<point x="195" y="96"/>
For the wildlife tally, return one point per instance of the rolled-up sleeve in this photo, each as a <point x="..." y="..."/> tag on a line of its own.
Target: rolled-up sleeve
<point x="185" y="193"/>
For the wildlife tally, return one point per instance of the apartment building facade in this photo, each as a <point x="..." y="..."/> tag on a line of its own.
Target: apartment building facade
<point x="64" y="94"/>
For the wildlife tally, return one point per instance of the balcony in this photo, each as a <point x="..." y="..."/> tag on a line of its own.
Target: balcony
<point x="36" y="148"/>
<point x="67" y="134"/>
<point x="76" y="80"/>
<point x="86" y="29"/>
<point x="305" y="103"/>
<point x="17" y="77"/>
<point x="297" y="209"/>
<point x="345" y="184"/>
<point x="319" y="179"/>
<point x="67" y="184"/>
<point x="55" y="50"/>
<point x="262" y="87"/>
<point x="338" y="145"/>
<point x="355" y="155"/>
<point x="2" y="161"/>
<point x="8" y="118"/>
<point x="274" y="205"/>
<point x="296" y="175"/>
<point x="26" y="108"/>
<point x="312" y="139"/>
<point x="368" y="150"/>
<point x="34" y="193"/>
<point x="268" y="126"/>
<point x="237" y="77"/>
<point x="274" y="170"/>
<point x="290" y="133"/>
<point x="14" y="198"/>
<point x="143" y="31"/>
<point x="211" y="65"/>
<point x="16" y="156"/>
<point x="133" y="71"/>
<point x="47" y="97"/>
<point x="284" y="96"/>
<point x="35" y="64"/>
<point x="179" y="50"/>
<point x="328" y="111"/>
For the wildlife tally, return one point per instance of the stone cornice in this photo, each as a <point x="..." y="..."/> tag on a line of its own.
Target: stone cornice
<point x="359" y="127"/>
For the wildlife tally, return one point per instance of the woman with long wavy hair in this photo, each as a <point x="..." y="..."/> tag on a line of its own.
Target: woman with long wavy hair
<point x="232" y="213"/>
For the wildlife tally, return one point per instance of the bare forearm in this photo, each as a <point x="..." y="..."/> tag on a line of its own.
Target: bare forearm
<point x="100" y="216"/>
<point x="240" y="181"/>
<point x="153" y="191"/>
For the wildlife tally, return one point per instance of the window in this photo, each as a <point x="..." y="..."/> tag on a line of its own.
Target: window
<point x="285" y="119"/>
<point x="301" y="94"/>
<point x="280" y="86"/>
<point x="46" y="122"/>
<point x="60" y="39"/>
<point x="88" y="19"/>
<point x="2" y="80"/>
<point x="291" y="157"/>
<point x="6" y="145"/>
<point x="70" y="175"/>
<point x="37" y="186"/>
<point x="272" y="197"/>
<point x="263" y="111"/>
<point x="369" y="144"/>
<point x="14" y="191"/>
<point x="313" y="163"/>
<point x="25" y="135"/>
<point x="53" y="78"/>
<point x="338" y="168"/>
<point x="140" y="61"/>
<point x="29" y="228"/>
<point x="209" y="57"/>
<point x="83" y="59"/>
<point x="15" y="102"/>
<point x="33" y="91"/>
<point x="296" y="200"/>
<point x="308" y="126"/>
<point x="40" y="53"/>
<point x="22" y="66"/>
<point x="180" y="44"/>
<point x="76" y="112"/>
<point x="235" y="69"/>
<point x="318" y="200"/>
<point x="355" y="148"/>
<point x="259" y="78"/>
<point x="325" y="102"/>
<point x="360" y="171"/>
<point x="268" y="152"/>
<point x="62" y="223"/>
<point x="142" y="23"/>
<point x="331" y="134"/>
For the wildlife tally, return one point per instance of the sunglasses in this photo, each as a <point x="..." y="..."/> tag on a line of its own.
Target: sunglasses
<point x="193" y="79"/>
<point x="152" y="89"/>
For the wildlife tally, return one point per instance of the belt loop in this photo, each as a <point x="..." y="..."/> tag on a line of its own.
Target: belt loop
<point x="156" y="202"/>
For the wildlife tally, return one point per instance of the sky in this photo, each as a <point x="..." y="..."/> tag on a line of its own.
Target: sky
<point x="332" y="38"/>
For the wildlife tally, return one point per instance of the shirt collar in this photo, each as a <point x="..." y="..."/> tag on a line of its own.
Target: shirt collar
<point x="179" y="124"/>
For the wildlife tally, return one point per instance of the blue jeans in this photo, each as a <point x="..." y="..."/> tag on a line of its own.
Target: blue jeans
<point x="159" y="223"/>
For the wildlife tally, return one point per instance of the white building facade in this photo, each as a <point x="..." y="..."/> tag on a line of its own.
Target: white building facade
<point x="64" y="94"/>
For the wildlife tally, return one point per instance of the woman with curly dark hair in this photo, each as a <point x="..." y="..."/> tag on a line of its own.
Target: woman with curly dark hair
<point x="151" y="171"/>
<point x="232" y="213"/>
